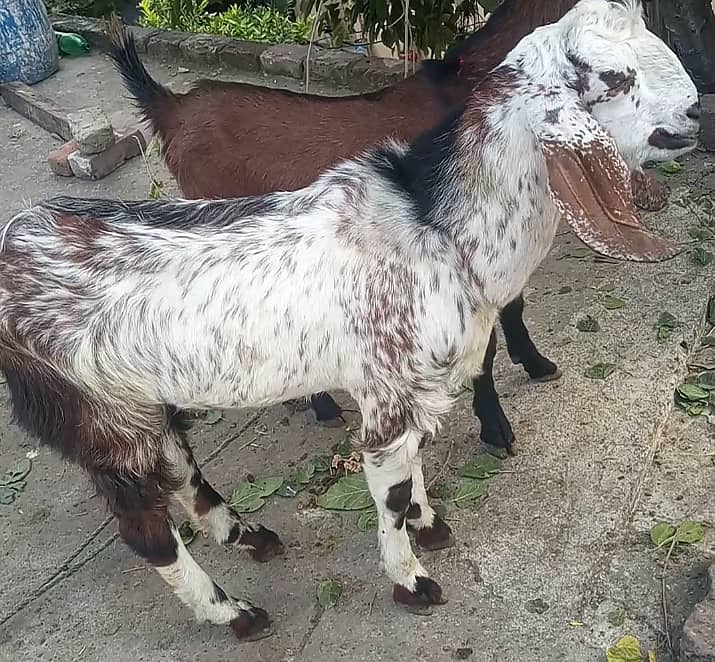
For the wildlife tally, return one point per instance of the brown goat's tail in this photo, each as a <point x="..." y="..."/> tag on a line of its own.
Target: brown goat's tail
<point x="151" y="97"/>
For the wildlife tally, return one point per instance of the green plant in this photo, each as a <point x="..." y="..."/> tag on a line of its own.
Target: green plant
<point x="249" y="23"/>
<point x="432" y="24"/>
<point x="93" y="8"/>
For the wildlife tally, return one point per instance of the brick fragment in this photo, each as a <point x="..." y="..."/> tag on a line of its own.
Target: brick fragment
<point x="58" y="159"/>
<point x="97" y="166"/>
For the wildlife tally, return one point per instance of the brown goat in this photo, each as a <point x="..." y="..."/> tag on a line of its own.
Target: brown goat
<point x="224" y="139"/>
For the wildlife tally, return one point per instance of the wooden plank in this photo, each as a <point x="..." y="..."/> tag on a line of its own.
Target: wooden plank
<point x="43" y="112"/>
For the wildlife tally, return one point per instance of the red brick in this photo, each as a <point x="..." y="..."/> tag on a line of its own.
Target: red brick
<point x="97" y="166"/>
<point x="58" y="159"/>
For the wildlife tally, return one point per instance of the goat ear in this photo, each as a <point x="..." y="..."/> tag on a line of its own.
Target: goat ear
<point x="590" y="184"/>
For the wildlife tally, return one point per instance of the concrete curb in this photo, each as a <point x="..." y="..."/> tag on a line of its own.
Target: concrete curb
<point x="340" y="68"/>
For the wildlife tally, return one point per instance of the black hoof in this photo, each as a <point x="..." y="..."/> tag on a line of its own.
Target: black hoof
<point x="497" y="435"/>
<point x="437" y="536"/>
<point x="539" y="368"/>
<point x="262" y="544"/>
<point x="427" y="593"/>
<point x="327" y="411"/>
<point x="251" y="624"/>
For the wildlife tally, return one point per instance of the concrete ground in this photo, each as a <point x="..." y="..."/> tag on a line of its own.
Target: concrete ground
<point x="559" y="544"/>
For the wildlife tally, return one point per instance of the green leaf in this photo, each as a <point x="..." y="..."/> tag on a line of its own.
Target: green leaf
<point x="692" y="392"/>
<point x="212" y="416"/>
<point x="609" y="302"/>
<point x="249" y="497"/>
<point x="468" y="492"/>
<point x="651" y="656"/>
<point x="700" y="233"/>
<point x="305" y="474"/>
<point x="665" y="325"/>
<point x="689" y="532"/>
<point x="709" y="339"/>
<point x="322" y="463"/>
<point x="7" y="495"/>
<point x="600" y="371"/>
<point x="267" y="486"/>
<point x="662" y="533"/>
<point x="156" y="189"/>
<point x="344" y="447"/>
<point x="617" y="617"/>
<point x="628" y="649"/>
<point x="17" y="472"/>
<point x="367" y="519"/>
<point x="329" y="592"/>
<point x="711" y="311"/>
<point x="579" y="253"/>
<point x="349" y="493"/>
<point x="588" y="325"/>
<point x="702" y="257"/>
<point x="706" y="380"/>
<point x="703" y="360"/>
<point x="484" y="466"/>
<point x="187" y="532"/>
<point x="669" y="168"/>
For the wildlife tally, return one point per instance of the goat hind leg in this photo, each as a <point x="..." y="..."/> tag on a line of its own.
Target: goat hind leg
<point x="388" y="472"/>
<point x="520" y="346"/>
<point x="208" y="509"/>
<point x="141" y="509"/>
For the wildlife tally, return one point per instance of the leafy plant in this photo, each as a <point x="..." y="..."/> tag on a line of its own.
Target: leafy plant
<point x="241" y="22"/>
<point x="687" y="533"/>
<point x="432" y="24"/>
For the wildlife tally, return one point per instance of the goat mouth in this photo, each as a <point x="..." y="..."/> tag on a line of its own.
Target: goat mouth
<point x="664" y="139"/>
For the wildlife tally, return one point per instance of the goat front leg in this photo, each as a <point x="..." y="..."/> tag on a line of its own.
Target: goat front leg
<point x="496" y="433"/>
<point x="388" y="470"/>
<point x="207" y="508"/>
<point x="520" y="346"/>
<point x="431" y="531"/>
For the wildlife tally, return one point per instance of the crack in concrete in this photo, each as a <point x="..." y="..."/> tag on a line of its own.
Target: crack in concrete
<point x="67" y="568"/>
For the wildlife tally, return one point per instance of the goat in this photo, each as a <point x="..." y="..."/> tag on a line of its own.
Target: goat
<point x="233" y="139"/>
<point x="384" y="278"/>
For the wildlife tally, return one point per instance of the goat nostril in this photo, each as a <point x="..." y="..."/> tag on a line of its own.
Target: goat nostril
<point x="694" y="111"/>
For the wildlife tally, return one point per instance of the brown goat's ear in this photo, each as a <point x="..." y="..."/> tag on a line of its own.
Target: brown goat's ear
<point x="590" y="184"/>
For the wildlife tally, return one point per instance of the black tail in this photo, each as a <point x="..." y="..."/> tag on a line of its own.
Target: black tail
<point x="151" y="97"/>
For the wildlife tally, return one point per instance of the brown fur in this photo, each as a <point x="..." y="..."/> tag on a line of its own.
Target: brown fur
<point x="233" y="139"/>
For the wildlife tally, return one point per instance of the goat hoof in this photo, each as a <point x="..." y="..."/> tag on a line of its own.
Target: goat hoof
<point x="540" y="369"/>
<point x="437" y="536"/>
<point x="498" y="451"/>
<point x="262" y="544"/>
<point x="327" y="411"/>
<point x="497" y="436"/>
<point x="427" y="593"/>
<point x="251" y="624"/>
<point x="557" y="374"/>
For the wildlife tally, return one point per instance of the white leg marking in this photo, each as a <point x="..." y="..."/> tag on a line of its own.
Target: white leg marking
<point x="401" y="565"/>
<point x="419" y="495"/>
<point x="196" y="589"/>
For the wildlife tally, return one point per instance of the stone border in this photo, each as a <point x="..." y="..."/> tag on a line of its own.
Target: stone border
<point x="340" y="68"/>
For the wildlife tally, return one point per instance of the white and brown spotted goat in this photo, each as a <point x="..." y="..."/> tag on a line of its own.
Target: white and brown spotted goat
<point x="384" y="278"/>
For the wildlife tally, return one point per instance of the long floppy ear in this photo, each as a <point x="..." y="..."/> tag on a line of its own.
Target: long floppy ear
<point x="590" y="185"/>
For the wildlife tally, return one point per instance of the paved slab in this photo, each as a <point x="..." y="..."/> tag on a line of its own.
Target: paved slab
<point x="560" y="543"/>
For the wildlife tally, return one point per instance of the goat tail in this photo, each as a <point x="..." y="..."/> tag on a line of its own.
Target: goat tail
<point x="151" y="97"/>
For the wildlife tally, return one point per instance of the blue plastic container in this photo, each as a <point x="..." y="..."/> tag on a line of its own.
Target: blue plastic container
<point x="28" y="47"/>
